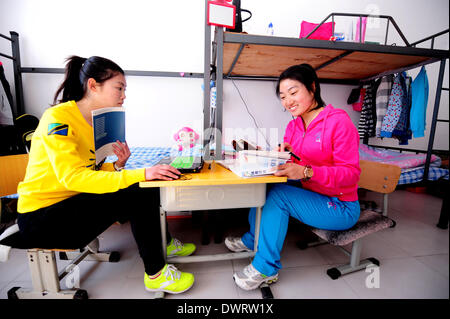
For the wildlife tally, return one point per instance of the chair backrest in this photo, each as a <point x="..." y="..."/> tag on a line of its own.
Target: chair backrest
<point x="378" y="177"/>
<point x="12" y="171"/>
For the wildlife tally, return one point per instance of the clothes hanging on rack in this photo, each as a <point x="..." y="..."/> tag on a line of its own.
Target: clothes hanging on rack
<point x="357" y="104"/>
<point x="419" y="97"/>
<point x="368" y="118"/>
<point x="382" y="99"/>
<point x="397" y="100"/>
<point x="402" y="130"/>
<point x="354" y="97"/>
<point x="362" y="118"/>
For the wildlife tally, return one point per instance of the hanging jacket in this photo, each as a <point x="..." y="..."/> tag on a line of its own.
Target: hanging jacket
<point x="397" y="100"/>
<point x="330" y="145"/>
<point x="402" y="130"/>
<point x="357" y="105"/>
<point x="419" y="102"/>
<point x="382" y="100"/>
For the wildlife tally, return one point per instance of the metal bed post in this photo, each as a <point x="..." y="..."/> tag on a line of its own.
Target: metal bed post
<point x="19" y="109"/>
<point x="387" y="31"/>
<point x="206" y="80"/>
<point x="360" y="29"/>
<point x="437" y="101"/>
<point x="219" y="101"/>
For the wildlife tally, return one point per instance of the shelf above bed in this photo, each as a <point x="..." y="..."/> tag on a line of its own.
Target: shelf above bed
<point x="254" y="56"/>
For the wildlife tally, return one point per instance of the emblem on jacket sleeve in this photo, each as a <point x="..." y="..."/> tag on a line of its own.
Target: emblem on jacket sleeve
<point x="58" y="129"/>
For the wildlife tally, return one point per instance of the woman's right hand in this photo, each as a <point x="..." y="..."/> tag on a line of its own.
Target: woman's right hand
<point x="283" y="147"/>
<point x="164" y="172"/>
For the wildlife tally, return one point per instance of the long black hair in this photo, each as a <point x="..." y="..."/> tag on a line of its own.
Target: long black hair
<point x="305" y="74"/>
<point x="78" y="72"/>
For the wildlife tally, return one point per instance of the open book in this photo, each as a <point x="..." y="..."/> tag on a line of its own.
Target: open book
<point x="252" y="163"/>
<point x="109" y="126"/>
<point x="271" y="154"/>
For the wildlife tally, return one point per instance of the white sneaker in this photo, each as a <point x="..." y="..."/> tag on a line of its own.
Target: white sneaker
<point x="235" y="244"/>
<point x="250" y="278"/>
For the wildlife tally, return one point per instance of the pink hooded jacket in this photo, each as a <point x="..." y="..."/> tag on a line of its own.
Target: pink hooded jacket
<point x="330" y="145"/>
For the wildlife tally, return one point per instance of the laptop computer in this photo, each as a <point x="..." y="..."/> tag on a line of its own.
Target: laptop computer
<point x="185" y="164"/>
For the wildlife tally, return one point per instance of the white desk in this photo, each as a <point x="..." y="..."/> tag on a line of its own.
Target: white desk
<point x="212" y="188"/>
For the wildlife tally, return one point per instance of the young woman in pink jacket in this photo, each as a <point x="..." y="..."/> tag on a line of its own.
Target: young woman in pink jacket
<point x="322" y="185"/>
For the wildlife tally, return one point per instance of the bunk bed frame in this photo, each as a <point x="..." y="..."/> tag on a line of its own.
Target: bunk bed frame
<point x="254" y="57"/>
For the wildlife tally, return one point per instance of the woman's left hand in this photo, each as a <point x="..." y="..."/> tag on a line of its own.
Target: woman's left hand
<point x="290" y="170"/>
<point x="122" y="152"/>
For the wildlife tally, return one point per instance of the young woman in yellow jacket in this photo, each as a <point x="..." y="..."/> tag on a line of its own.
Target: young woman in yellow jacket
<point x="65" y="200"/>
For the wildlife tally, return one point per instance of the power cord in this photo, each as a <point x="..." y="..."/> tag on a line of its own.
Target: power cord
<point x="251" y="115"/>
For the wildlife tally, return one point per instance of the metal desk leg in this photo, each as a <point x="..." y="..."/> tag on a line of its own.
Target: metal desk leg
<point x="257" y="228"/>
<point x="385" y="204"/>
<point x="162" y="220"/>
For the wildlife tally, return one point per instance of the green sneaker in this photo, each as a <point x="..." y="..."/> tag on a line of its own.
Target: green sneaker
<point x="176" y="248"/>
<point x="170" y="280"/>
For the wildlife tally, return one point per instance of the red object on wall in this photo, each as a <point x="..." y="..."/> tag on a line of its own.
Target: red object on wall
<point x="222" y="3"/>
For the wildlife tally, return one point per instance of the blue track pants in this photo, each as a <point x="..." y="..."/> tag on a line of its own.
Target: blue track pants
<point x="284" y="200"/>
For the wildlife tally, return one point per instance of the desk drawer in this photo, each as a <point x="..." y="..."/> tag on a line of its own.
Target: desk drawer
<point x="212" y="197"/>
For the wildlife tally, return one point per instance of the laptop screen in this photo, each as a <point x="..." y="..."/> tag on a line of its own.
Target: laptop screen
<point x="185" y="164"/>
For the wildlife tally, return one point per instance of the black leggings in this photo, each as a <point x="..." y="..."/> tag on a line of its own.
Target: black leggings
<point x="75" y="222"/>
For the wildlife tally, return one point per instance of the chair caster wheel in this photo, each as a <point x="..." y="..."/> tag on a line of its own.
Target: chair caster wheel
<point x="334" y="273"/>
<point x="12" y="293"/>
<point x="114" y="257"/>
<point x="81" y="294"/>
<point x="374" y="261"/>
<point x="302" y="245"/>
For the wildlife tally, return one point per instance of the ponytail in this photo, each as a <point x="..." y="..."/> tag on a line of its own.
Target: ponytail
<point x="72" y="87"/>
<point x="79" y="70"/>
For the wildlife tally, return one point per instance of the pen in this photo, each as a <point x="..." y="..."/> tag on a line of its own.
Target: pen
<point x="295" y="156"/>
<point x="292" y="154"/>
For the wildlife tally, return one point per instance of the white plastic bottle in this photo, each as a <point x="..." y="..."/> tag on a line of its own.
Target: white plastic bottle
<point x="213" y="91"/>
<point x="270" y="29"/>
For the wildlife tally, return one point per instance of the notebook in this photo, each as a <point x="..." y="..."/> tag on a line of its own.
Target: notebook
<point x="252" y="163"/>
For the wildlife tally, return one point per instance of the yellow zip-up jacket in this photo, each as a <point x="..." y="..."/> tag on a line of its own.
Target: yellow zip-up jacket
<point x="62" y="162"/>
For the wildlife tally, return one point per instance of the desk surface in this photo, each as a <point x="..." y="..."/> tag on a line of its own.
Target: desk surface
<point x="217" y="175"/>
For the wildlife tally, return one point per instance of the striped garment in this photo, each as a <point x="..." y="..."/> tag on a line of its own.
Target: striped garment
<point x="382" y="99"/>
<point x="367" y="121"/>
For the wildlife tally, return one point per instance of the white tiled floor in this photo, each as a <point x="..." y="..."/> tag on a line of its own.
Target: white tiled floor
<point x="414" y="259"/>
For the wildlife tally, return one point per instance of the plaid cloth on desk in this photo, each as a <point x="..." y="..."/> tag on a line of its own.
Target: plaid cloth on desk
<point x="416" y="175"/>
<point x="143" y="156"/>
<point x="146" y="156"/>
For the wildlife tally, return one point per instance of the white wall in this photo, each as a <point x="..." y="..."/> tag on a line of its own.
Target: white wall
<point x="169" y="36"/>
